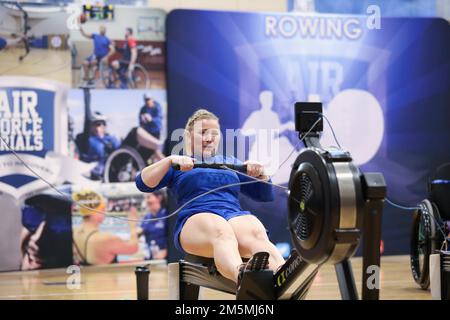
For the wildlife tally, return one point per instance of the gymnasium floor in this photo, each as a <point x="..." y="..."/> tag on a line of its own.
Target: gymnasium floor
<point x="156" y="80"/>
<point x="117" y="282"/>
<point x="43" y="63"/>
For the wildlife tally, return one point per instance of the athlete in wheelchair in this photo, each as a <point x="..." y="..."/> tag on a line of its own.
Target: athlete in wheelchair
<point x="125" y="72"/>
<point x="431" y="225"/>
<point x="120" y="161"/>
<point x="95" y="144"/>
<point x="98" y="59"/>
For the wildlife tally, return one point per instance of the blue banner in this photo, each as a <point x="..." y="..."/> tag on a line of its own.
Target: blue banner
<point x="33" y="126"/>
<point x="385" y="90"/>
<point x="27" y="123"/>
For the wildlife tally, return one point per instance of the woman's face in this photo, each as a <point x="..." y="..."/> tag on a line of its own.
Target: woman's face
<point x="98" y="129"/>
<point x="205" y="137"/>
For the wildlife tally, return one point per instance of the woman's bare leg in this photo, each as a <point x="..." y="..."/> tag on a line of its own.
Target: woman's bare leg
<point x="209" y="235"/>
<point x="146" y="140"/>
<point x="252" y="237"/>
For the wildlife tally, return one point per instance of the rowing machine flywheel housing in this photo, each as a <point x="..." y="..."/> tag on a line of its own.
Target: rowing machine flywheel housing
<point x="332" y="205"/>
<point x="325" y="205"/>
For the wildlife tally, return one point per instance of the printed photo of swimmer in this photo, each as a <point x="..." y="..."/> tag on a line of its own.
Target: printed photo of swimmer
<point x="116" y="224"/>
<point x="92" y="245"/>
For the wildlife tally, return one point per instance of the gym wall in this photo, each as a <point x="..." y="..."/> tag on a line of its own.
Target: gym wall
<point x="388" y="8"/>
<point x="238" y="5"/>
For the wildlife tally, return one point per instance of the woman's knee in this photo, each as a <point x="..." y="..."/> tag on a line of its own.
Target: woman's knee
<point x="260" y="234"/>
<point x="221" y="234"/>
<point x="255" y="238"/>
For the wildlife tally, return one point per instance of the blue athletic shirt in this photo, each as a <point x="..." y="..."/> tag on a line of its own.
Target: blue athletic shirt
<point x="101" y="45"/>
<point x="155" y="230"/>
<point x="224" y="202"/>
<point x="98" y="148"/>
<point x="153" y="127"/>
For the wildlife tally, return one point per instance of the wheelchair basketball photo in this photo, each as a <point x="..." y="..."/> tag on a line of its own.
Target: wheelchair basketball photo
<point x="108" y="53"/>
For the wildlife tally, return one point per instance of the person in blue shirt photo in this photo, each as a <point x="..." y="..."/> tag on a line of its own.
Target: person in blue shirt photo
<point x="96" y="145"/>
<point x="149" y="130"/>
<point x="146" y="136"/>
<point x="214" y="225"/>
<point x="155" y="231"/>
<point x="103" y="49"/>
<point x="150" y="117"/>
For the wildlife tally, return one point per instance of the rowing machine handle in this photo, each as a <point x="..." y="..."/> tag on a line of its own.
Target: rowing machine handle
<point x="237" y="167"/>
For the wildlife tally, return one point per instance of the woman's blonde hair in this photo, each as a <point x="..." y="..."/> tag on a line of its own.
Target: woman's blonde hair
<point x="200" y="114"/>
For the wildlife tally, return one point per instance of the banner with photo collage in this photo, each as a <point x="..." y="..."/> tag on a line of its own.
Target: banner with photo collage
<point x="71" y="148"/>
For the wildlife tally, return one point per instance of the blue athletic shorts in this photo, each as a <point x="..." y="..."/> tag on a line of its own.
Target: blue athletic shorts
<point x="93" y="57"/>
<point x="184" y="215"/>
